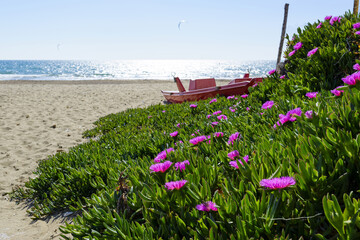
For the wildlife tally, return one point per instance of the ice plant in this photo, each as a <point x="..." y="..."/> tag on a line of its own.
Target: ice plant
<point x="282" y="76"/>
<point x="319" y="26"/>
<point x="162" y="155"/>
<point x="232" y="155"/>
<point x="334" y="19"/>
<point x="219" y="134"/>
<point x="312" y="52"/>
<point x="357" y="33"/>
<point x="271" y="72"/>
<point x="174" y="134"/>
<point x="290" y="115"/>
<point x="213" y="100"/>
<point x="337" y="92"/>
<point x="328" y="18"/>
<point x="244" y="95"/>
<point x="208" y="116"/>
<point x="267" y="105"/>
<point x="235" y="163"/>
<point x="207" y="206"/>
<point x="352" y="79"/>
<point x="277" y="183"/>
<point x="233" y="137"/>
<point x="175" y="184"/>
<point x="214" y="123"/>
<point x="247" y="109"/>
<point x="222" y="117"/>
<point x="276" y="124"/>
<point x="309" y="114"/>
<point x="356" y="25"/>
<point x="298" y="46"/>
<point x="161" y="167"/>
<point x="216" y="113"/>
<point x="178" y="125"/>
<point x="197" y="140"/>
<point x="311" y="94"/>
<point x="356" y="66"/>
<point x="291" y="53"/>
<point x="231" y="97"/>
<point x="193" y="105"/>
<point x="231" y="109"/>
<point x="181" y="165"/>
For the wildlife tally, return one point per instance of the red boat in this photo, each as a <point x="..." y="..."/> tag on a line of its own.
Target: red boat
<point x="206" y="88"/>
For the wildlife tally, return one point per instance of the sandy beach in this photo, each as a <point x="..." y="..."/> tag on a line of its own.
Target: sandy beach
<point x="40" y="118"/>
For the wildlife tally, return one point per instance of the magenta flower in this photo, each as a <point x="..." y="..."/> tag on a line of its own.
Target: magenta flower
<point x="298" y="46"/>
<point x="222" y="117"/>
<point x="235" y="163"/>
<point x="334" y="19"/>
<point x="290" y="115"/>
<point x="271" y="72"/>
<point x="233" y="154"/>
<point x="213" y="100"/>
<point x="219" y="134"/>
<point x="291" y="53"/>
<point x="234" y="137"/>
<point x="207" y="206"/>
<point x="319" y="26"/>
<point x="217" y="112"/>
<point x="267" y="105"/>
<point x="174" y="134"/>
<point x="175" y="185"/>
<point x="311" y="94"/>
<point x="276" y="124"/>
<point x="311" y="52"/>
<point x="255" y="85"/>
<point x="178" y="142"/>
<point x="162" y="155"/>
<point x="356" y="25"/>
<point x="214" y="123"/>
<point x="277" y="183"/>
<point x="231" y="109"/>
<point x="163" y="111"/>
<point x="309" y="114"/>
<point x="247" y="109"/>
<point x="357" y="33"/>
<point x="328" y="18"/>
<point x="161" y="167"/>
<point x="282" y="77"/>
<point x="231" y="97"/>
<point x="337" y="92"/>
<point x="197" y="140"/>
<point x="244" y="95"/>
<point x="208" y="116"/>
<point x="178" y="125"/>
<point x="181" y="165"/>
<point x="193" y="105"/>
<point x="356" y="66"/>
<point x="352" y="79"/>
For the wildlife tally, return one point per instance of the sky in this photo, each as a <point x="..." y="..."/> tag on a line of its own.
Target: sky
<point x="148" y="29"/>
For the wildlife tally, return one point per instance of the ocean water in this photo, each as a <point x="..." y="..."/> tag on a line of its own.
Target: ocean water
<point x="130" y="69"/>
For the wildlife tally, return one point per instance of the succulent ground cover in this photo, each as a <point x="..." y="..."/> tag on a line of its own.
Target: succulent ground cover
<point x="281" y="162"/>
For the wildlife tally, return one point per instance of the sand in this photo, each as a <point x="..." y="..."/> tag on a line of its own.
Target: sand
<point x="39" y="118"/>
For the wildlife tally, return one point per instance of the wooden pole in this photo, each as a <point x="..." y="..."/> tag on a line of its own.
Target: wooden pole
<point x="282" y="33"/>
<point x="356" y="7"/>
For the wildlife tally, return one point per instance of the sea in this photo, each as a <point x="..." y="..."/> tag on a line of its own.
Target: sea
<point x="130" y="69"/>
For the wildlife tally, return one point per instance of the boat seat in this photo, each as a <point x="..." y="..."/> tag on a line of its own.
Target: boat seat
<point x="202" y="83"/>
<point x="179" y="84"/>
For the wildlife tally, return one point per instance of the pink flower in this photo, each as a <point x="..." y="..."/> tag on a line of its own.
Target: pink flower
<point x="233" y="154"/>
<point x="181" y="165"/>
<point x="162" y="155"/>
<point x="247" y="109"/>
<point x="234" y="137"/>
<point x="267" y="105"/>
<point x="213" y="100"/>
<point x="175" y="185"/>
<point x="178" y="143"/>
<point x="357" y="33"/>
<point x="334" y="19"/>
<point x="214" y="123"/>
<point x="356" y="25"/>
<point x="291" y="53"/>
<point x="356" y="66"/>
<point x="276" y="124"/>
<point x="230" y="97"/>
<point x="298" y="46"/>
<point x="255" y="85"/>
<point x="207" y="206"/>
<point x="319" y="26"/>
<point x="235" y="163"/>
<point x="219" y="134"/>
<point x="163" y="111"/>
<point x="216" y="113"/>
<point x="311" y="94"/>
<point x="309" y="114"/>
<point x="161" y="167"/>
<point x="352" y="79"/>
<point x="197" y="140"/>
<point x="174" y="134"/>
<point x="328" y="18"/>
<point x="271" y="72"/>
<point x="337" y="92"/>
<point x="244" y="95"/>
<point x="311" y="52"/>
<point x="208" y="116"/>
<point x="277" y="183"/>
<point x="231" y="109"/>
<point x="222" y="117"/>
<point x="193" y="105"/>
<point x="290" y="115"/>
<point x="282" y="77"/>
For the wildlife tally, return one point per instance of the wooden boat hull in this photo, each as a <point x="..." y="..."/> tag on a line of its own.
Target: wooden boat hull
<point x="234" y="88"/>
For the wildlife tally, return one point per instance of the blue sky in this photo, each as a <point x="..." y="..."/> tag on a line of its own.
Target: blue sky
<point x="148" y="29"/>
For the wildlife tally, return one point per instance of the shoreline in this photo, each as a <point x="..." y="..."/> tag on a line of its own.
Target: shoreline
<point x="39" y="119"/>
